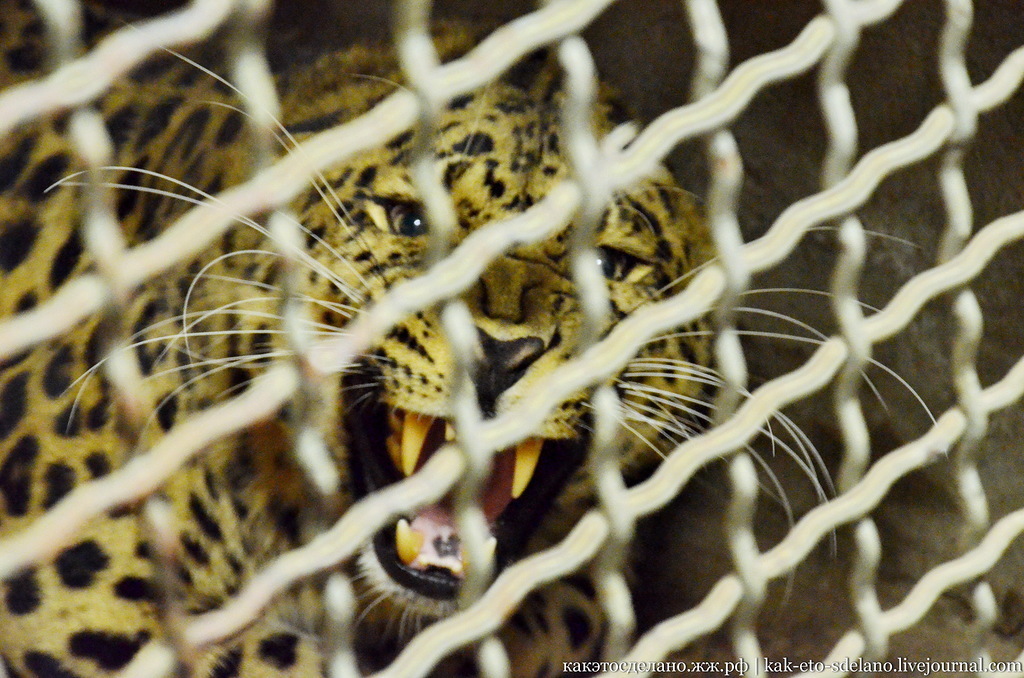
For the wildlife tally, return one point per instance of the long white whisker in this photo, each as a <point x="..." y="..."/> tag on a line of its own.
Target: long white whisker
<point x="668" y="399"/>
<point x="136" y="342"/>
<point x="225" y="364"/>
<point x="873" y="234"/>
<point x="696" y="269"/>
<point x="344" y="309"/>
<point x="695" y="368"/>
<point x="801" y="290"/>
<point x="657" y="419"/>
<point x="192" y="286"/>
<point x="777" y="492"/>
<point x="334" y="203"/>
<point x="707" y="380"/>
<point x="285" y="134"/>
<point x="639" y="436"/>
<point x="806" y="456"/>
<point x="872" y="361"/>
<point x="810" y="453"/>
<point x="670" y="421"/>
<point x="344" y="288"/>
<point x="217" y="362"/>
<point x="816" y="341"/>
<point x="381" y="597"/>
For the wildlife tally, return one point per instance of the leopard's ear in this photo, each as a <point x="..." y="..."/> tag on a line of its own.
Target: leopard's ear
<point x="690" y="229"/>
<point x="453" y="39"/>
<point x="537" y="74"/>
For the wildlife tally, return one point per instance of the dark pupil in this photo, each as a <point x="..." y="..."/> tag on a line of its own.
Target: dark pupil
<point x="607" y="264"/>
<point x="612" y="264"/>
<point x="411" y="223"/>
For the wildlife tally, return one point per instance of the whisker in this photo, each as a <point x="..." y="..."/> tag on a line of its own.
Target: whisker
<point x="816" y="341"/>
<point x="338" y="307"/>
<point x="381" y="597"/>
<point x="677" y="365"/>
<point x="707" y="380"/>
<point x="872" y="361"/>
<point x="285" y="134"/>
<point x="801" y="290"/>
<point x="344" y="288"/>
<point x="622" y="422"/>
<point x="136" y="342"/>
<point x="873" y="234"/>
<point x="334" y="203"/>
<point x="806" y="455"/>
<point x="696" y="269"/>
<point x="668" y="399"/>
<point x="361" y="400"/>
<point x="226" y="364"/>
<point x="657" y="419"/>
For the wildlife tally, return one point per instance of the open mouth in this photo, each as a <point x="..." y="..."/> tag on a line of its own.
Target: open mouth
<point x="423" y="551"/>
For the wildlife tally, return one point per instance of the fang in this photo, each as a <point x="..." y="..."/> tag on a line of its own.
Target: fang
<point x="407" y="542"/>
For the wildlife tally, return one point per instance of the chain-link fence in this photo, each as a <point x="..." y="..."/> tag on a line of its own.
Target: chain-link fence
<point x="720" y="94"/>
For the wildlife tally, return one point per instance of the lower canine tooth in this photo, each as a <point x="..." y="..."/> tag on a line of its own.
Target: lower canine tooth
<point x="490" y="546"/>
<point x="407" y="542"/>
<point x="527" y="455"/>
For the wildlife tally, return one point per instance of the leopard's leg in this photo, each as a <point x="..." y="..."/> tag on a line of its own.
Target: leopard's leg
<point x="562" y="622"/>
<point x="91" y="608"/>
<point x="267" y="649"/>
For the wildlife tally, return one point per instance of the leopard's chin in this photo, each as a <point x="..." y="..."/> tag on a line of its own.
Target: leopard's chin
<point x="386" y="600"/>
<point x="419" y="557"/>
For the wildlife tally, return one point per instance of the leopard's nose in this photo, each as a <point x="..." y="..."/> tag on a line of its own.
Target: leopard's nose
<point x="502" y="365"/>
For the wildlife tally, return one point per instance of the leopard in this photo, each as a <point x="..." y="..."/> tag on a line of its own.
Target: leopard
<point x="205" y="330"/>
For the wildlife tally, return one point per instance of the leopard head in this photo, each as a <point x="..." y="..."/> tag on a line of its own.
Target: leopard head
<point x="497" y="152"/>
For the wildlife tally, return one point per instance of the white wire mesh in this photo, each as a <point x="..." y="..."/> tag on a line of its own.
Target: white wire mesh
<point x="598" y="171"/>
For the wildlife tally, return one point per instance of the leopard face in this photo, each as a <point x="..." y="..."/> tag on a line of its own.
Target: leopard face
<point x="497" y="153"/>
<point x="202" y="333"/>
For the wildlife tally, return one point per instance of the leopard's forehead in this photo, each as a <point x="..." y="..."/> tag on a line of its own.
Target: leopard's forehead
<point x="503" y="144"/>
<point x="496" y="151"/>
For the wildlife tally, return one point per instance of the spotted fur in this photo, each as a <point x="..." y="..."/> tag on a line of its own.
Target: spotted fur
<point x="89" y="610"/>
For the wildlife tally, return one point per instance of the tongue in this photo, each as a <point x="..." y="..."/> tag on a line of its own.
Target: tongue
<point x="441" y="545"/>
<point x="498" y="487"/>
<point x="435" y="524"/>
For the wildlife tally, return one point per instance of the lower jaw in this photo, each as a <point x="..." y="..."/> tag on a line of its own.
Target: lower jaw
<point x="435" y="593"/>
<point x="521" y="523"/>
<point x="383" y="601"/>
<point x="439" y="586"/>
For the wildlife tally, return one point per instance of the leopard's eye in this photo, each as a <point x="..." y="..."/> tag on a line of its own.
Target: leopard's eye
<point x="407" y="219"/>
<point x="616" y="264"/>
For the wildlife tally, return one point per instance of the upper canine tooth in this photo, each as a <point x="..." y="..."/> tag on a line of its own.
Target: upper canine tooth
<point x="407" y="542"/>
<point x="449" y="432"/>
<point x="391" y="442"/>
<point x="415" y="431"/>
<point x="394" y="449"/>
<point x="527" y="454"/>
